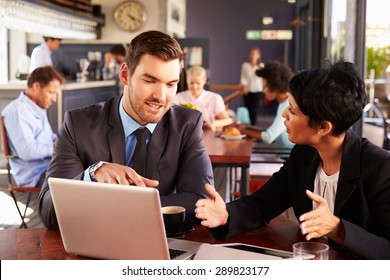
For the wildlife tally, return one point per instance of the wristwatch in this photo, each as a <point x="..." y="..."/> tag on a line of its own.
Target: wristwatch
<point x="93" y="169"/>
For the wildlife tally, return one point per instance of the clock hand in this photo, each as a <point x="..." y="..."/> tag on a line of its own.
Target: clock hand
<point x="133" y="18"/>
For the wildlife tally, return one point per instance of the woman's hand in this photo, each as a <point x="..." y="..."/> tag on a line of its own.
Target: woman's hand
<point x="321" y="222"/>
<point x="212" y="211"/>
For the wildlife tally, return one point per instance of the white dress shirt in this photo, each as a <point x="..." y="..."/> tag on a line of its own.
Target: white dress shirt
<point x="252" y="82"/>
<point x="40" y="56"/>
<point x="30" y="138"/>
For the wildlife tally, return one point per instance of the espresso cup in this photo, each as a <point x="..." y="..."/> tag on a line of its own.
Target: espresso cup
<point x="174" y="217"/>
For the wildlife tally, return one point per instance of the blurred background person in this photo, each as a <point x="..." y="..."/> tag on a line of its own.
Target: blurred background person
<point x="29" y="133"/>
<point x="117" y="53"/>
<point x="41" y="55"/>
<point x="113" y="60"/>
<point x="251" y="85"/>
<point x="275" y="78"/>
<point x="211" y="104"/>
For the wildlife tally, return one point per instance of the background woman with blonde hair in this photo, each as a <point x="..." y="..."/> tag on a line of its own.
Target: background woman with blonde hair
<point x="211" y="104"/>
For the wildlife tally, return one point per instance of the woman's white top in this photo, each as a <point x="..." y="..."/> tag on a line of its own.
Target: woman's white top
<point x="326" y="186"/>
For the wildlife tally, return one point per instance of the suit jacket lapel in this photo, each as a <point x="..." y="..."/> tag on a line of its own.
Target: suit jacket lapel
<point x="349" y="170"/>
<point x="115" y="135"/>
<point x="156" y="146"/>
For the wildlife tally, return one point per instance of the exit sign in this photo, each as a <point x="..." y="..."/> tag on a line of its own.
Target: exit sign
<point x="269" y="34"/>
<point x="253" y="35"/>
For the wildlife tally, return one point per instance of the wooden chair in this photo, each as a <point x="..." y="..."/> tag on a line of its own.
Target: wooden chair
<point x="13" y="189"/>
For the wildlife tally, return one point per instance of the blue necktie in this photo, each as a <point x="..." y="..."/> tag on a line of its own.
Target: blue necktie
<point x="139" y="158"/>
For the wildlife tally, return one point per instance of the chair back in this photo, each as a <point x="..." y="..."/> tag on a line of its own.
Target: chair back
<point x="5" y="140"/>
<point x="6" y="152"/>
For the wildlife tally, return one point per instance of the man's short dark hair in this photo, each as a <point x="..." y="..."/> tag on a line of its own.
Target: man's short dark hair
<point x="46" y="38"/>
<point x="118" y="50"/>
<point x="277" y="75"/>
<point x="154" y="43"/>
<point x="44" y="75"/>
<point x="336" y="94"/>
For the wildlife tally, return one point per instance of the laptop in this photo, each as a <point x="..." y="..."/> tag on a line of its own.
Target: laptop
<point x="110" y="221"/>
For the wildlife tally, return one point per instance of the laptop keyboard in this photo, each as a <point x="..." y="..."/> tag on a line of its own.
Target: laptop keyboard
<point x="173" y="253"/>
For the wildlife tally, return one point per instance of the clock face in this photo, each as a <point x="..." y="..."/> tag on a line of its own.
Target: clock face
<point x="130" y="15"/>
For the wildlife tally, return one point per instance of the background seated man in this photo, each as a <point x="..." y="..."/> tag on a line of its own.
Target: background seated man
<point x="209" y="103"/>
<point x="99" y="142"/>
<point x="29" y="133"/>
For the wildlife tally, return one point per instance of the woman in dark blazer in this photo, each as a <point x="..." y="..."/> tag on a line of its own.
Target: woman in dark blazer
<point x="337" y="183"/>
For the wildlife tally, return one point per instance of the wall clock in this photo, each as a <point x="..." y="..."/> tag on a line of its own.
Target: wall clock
<point x="130" y="15"/>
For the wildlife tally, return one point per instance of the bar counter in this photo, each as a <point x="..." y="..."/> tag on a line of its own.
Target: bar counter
<point x="69" y="85"/>
<point x="74" y="95"/>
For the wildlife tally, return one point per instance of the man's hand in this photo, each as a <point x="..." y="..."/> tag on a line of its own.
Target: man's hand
<point x="124" y="175"/>
<point x="320" y="221"/>
<point x="212" y="211"/>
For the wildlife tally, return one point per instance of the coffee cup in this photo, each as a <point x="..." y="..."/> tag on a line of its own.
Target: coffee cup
<point x="174" y="217"/>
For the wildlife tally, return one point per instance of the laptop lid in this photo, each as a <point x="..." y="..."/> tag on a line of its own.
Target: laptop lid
<point x="110" y="221"/>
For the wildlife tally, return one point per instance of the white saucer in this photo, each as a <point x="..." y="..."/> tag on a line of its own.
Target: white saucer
<point x="238" y="137"/>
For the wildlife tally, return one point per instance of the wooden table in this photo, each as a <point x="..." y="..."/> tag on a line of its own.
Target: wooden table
<point x="41" y="243"/>
<point x="230" y="153"/>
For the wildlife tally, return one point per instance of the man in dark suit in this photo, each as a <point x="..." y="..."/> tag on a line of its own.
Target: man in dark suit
<point x="337" y="183"/>
<point x="98" y="143"/>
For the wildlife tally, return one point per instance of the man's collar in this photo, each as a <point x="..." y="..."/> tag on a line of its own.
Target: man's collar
<point x="37" y="109"/>
<point x="129" y="124"/>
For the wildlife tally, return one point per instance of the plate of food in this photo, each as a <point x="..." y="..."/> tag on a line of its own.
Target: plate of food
<point x="232" y="133"/>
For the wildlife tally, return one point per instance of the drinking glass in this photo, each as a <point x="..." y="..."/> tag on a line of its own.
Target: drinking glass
<point x="310" y="251"/>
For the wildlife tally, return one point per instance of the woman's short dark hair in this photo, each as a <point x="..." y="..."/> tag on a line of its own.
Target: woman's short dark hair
<point x="44" y="75"/>
<point x="336" y="94"/>
<point x="277" y="75"/>
<point x="154" y="43"/>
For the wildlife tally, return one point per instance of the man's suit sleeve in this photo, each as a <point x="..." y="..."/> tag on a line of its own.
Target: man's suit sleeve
<point x="194" y="172"/>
